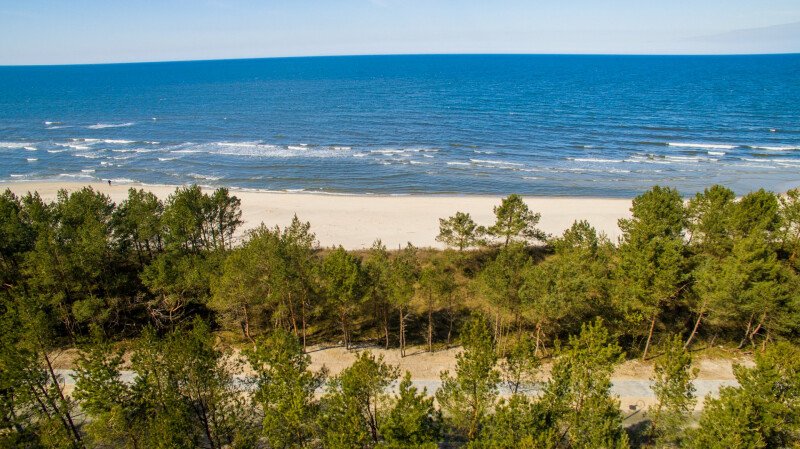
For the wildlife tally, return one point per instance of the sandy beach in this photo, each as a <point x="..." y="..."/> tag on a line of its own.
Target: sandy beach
<point x="355" y="221"/>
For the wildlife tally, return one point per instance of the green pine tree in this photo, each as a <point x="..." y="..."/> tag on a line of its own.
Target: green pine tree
<point x="468" y="397"/>
<point x="672" y="384"/>
<point x="412" y="421"/>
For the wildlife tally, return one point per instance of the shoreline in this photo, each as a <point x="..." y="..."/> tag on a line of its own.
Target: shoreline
<point x="355" y="221"/>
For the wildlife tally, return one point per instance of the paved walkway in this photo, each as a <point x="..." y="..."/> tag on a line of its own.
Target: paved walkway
<point x="624" y="388"/>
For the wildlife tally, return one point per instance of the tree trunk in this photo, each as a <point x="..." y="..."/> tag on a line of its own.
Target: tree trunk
<point x="385" y="318"/>
<point x="694" y="330"/>
<point x="497" y="327"/>
<point x="246" y="324"/>
<point x="76" y="434"/>
<point x="292" y="314"/>
<point x="430" y="329"/>
<point x="746" y="332"/>
<point x="343" y="320"/>
<point x="303" y="320"/>
<point x="757" y="329"/>
<point x="450" y="321"/>
<point x="649" y="337"/>
<point x="402" y="334"/>
<point x="204" y="421"/>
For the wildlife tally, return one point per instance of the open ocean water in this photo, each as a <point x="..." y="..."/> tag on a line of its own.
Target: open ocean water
<point x="607" y="126"/>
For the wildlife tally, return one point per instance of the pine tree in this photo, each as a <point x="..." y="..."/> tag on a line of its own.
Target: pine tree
<point x="284" y="390"/>
<point x="790" y="227"/>
<point x="34" y="408"/>
<point x="468" y="397"/>
<point x="518" y="422"/>
<point x="578" y="393"/>
<point x="244" y="292"/>
<point x="437" y="285"/>
<point x="460" y="231"/>
<point x="137" y="223"/>
<point x="651" y="271"/>
<point x="343" y="283"/>
<point x="761" y="412"/>
<point x="672" y="385"/>
<point x="352" y="406"/>
<point x="412" y="421"/>
<point x="515" y="222"/>
<point x="521" y="365"/>
<point x="378" y="272"/>
<point x="500" y="282"/>
<point x="102" y="395"/>
<point x="403" y="279"/>
<point x="570" y="287"/>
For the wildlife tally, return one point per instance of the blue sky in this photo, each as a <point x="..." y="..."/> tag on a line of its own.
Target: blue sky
<point x="91" y="31"/>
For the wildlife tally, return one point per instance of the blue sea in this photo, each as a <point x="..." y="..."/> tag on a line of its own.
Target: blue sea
<point x="606" y="126"/>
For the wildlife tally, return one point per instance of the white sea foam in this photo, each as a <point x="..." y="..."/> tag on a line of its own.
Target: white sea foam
<point x="493" y="162"/>
<point x="776" y="148"/>
<point x="12" y="145"/>
<point x="754" y="166"/>
<point x="30" y="148"/>
<point x="483" y="152"/>
<point x="15" y="175"/>
<point x="52" y="123"/>
<point x="110" y="125"/>
<point x="781" y="159"/>
<point x="258" y="149"/>
<point x="239" y="144"/>
<point x="57" y="127"/>
<point x="75" y="175"/>
<point x="164" y="159"/>
<point x="73" y="146"/>
<point x="122" y="180"/>
<point x="458" y="163"/>
<point x="32" y="159"/>
<point x="56" y="151"/>
<point x="716" y="153"/>
<point x="597" y="160"/>
<point x="86" y="140"/>
<point x="118" y="141"/>
<point x="701" y="145"/>
<point x="342" y="148"/>
<point x="87" y="170"/>
<point x="689" y="159"/>
<point x="206" y="177"/>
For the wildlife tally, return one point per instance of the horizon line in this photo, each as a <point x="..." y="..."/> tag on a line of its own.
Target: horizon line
<point x="366" y="55"/>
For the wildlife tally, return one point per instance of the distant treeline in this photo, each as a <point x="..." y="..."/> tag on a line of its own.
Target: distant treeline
<point x="164" y="274"/>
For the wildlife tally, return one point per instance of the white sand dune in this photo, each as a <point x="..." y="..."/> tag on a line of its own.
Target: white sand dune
<point x="355" y="221"/>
